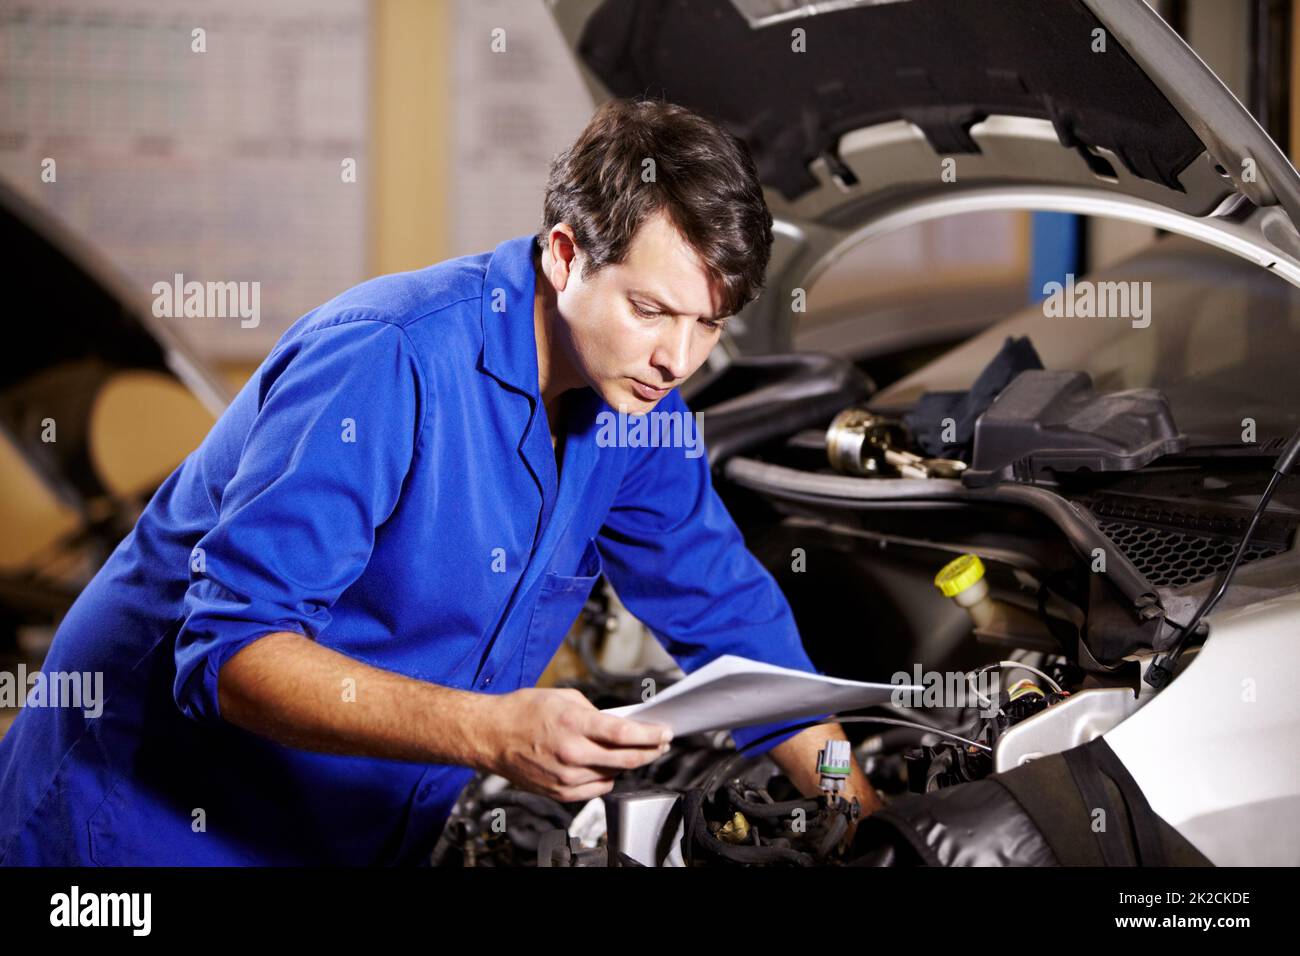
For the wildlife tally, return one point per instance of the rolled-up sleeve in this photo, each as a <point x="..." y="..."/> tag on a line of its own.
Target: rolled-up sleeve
<point x="339" y="414"/>
<point x="677" y="560"/>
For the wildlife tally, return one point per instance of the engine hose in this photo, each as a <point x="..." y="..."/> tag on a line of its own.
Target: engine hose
<point x="699" y="830"/>
<point x="528" y="836"/>
<point x="834" y="833"/>
<point x="687" y="769"/>
<point x="534" y="803"/>
<point x="721" y="770"/>
<point x="770" y="811"/>
<point x="586" y="647"/>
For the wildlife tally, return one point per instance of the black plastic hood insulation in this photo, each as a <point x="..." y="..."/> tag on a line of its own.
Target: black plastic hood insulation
<point x="943" y="65"/>
<point x="71" y="315"/>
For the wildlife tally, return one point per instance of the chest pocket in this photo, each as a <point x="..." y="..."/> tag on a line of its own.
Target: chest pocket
<point x="560" y="599"/>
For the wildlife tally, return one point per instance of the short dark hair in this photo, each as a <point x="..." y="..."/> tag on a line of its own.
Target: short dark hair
<point x="704" y="180"/>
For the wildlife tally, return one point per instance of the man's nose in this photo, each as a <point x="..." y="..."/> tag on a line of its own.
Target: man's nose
<point x="673" y="351"/>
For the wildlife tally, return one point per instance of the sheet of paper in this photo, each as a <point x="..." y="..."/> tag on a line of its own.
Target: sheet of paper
<point x="735" y="692"/>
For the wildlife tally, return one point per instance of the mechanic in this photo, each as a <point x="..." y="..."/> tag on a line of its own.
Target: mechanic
<point x="334" y="611"/>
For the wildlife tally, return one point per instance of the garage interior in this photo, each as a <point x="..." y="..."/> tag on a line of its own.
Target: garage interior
<point x="446" y="115"/>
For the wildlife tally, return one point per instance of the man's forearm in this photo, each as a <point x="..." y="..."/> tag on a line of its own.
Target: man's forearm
<point x="797" y="758"/>
<point x="301" y="694"/>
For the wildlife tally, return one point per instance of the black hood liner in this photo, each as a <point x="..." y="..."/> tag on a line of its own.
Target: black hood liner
<point x="943" y="65"/>
<point x="76" y="332"/>
<point x="68" y="314"/>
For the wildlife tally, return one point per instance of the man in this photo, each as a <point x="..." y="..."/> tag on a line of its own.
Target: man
<point x="334" y="610"/>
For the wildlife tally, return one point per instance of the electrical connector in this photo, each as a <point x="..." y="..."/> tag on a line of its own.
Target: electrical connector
<point x="834" y="764"/>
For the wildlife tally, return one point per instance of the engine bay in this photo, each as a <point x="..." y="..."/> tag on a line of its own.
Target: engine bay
<point x="1027" y="582"/>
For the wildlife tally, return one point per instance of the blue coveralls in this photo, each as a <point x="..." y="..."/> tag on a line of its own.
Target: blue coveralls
<point x="384" y="484"/>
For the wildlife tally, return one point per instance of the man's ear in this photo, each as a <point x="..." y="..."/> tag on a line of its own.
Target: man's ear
<point x="562" y="255"/>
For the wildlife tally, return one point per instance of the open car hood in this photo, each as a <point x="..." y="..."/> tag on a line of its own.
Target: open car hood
<point x="1087" y="106"/>
<point x="82" y="326"/>
<point x="84" y="323"/>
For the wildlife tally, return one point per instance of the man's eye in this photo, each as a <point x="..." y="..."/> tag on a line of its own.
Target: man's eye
<point x="644" y="313"/>
<point x="714" y="325"/>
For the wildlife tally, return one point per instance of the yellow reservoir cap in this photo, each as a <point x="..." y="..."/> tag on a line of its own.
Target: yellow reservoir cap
<point x="959" y="574"/>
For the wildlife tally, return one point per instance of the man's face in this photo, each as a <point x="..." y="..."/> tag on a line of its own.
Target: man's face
<point x="636" y="330"/>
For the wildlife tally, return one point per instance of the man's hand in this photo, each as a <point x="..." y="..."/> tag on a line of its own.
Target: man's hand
<point x="287" y="687"/>
<point x="557" y="743"/>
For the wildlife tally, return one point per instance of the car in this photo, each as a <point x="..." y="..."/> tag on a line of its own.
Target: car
<point x="1091" y="499"/>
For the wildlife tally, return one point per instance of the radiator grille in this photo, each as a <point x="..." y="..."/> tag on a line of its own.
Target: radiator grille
<point x="1173" y="547"/>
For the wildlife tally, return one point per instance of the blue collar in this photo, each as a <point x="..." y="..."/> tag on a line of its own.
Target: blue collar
<point x="510" y="356"/>
<point x="506" y="310"/>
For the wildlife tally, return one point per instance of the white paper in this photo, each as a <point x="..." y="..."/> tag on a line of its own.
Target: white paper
<point x="733" y="692"/>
